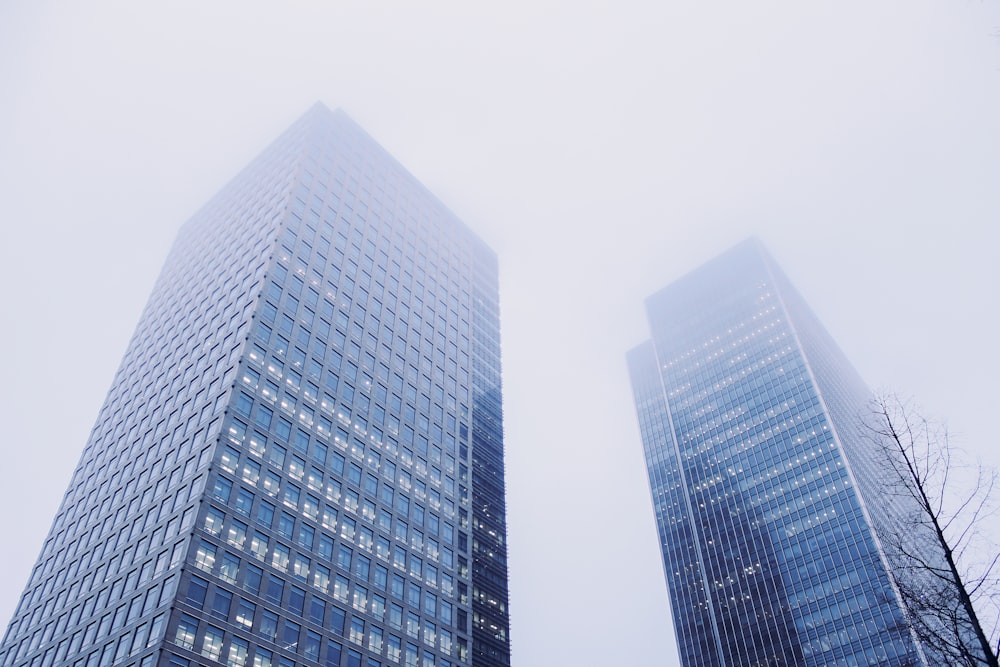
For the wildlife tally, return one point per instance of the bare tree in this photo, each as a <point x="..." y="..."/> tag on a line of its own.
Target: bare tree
<point x="934" y="527"/>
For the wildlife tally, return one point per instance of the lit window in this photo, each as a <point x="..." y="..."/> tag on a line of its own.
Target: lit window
<point x="205" y="557"/>
<point x="212" y="645"/>
<point x="187" y="628"/>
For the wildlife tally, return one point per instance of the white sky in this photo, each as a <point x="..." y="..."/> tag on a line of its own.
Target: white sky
<point x="603" y="149"/>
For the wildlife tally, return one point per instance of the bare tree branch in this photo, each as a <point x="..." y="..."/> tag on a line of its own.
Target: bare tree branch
<point x="932" y="534"/>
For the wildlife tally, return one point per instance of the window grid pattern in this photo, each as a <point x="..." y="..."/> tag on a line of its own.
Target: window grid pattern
<point x="331" y="515"/>
<point x="119" y="536"/>
<point x="768" y="553"/>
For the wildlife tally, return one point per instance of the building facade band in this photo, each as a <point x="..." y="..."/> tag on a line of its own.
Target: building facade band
<point x="300" y="459"/>
<point x="763" y="493"/>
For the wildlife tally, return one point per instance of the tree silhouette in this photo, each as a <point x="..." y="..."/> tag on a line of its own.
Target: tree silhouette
<point x="934" y="531"/>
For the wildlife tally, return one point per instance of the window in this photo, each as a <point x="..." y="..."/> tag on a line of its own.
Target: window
<point x="264" y="415"/>
<point x="286" y="525"/>
<point x="221" y="603"/>
<point x="344" y="555"/>
<point x="380" y="577"/>
<point x="360" y="598"/>
<point x="229" y="568"/>
<point x="340" y="586"/>
<point x="413" y="595"/>
<point x="283" y="429"/>
<point x="446" y="642"/>
<point x="169" y="586"/>
<point x="174" y="661"/>
<point x="337" y="618"/>
<point x="296" y="467"/>
<point x="351" y="499"/>
<point x="280" y="557"/>
<point x="244" y="403"/>
<point x="412" y="624"/>
<point x="265" y="513"/>
<point x="187" y="628"/>
<point x="317" y="610"/>
<point x="156" y="629"/>
<point x="228" y="459"/>
<point x="238" y="651"/>
<point x="310" y="507"/>
<point x="446" y="612"/>
<point x="276" y="455"/>
<point x="204" y="558"/>
<point x="397" y="586"/>
<point x="244" y="501"/>
<point x="269" y="625"/>
<point x="197" y="590"/>
<point x="357" y="630"/>
<point x="251" y="471"/>
<point x="368" y="511"/>
<point x="237" y="431"/>
<point x="213" y="521"/>
<point x="296" y="600"/>
<point x="329" y="517"/>
<point x="333" y="654"/>
<point x="258" y="545"/>
<point x="395" y="616"/>
<point x="305" y="535"/>
<point x="354" y="471"/>
<point x="394" y="648"/>
<point x="430" y="633"/>
<point x="212" y="644"/>
<point x="321" y="577"/>
<point x="177" y="553"/>
<point x="311" y="648"/>
<point x="300" y="567"/>
<point x="362" y="567"/>
<point x="291" y="496"/>
<point x="374" y="639"/>
<point x="378" y="607"/>
<point x="245" y="613"/>
<point x="325" y="549"/>
<point x="275" y="589"/>
<point x="262" y="658"/>
<point x="237" y="534"/>
<point x="430" y="603"/>
<point x="252" y="579"/>
<point x="290" y="635"/>
<point x="399" y="557"/>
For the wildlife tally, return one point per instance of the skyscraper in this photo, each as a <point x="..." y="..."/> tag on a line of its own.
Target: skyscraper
<point x="300" y="459"/>
<point x="764" y="494"/>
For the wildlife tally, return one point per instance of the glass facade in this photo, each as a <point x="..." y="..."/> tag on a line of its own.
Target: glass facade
<point x="300" y="460"/>
<point x="764" y="495"/>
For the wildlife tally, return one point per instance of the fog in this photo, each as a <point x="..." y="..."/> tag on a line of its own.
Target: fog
<point x="602" y="149"/>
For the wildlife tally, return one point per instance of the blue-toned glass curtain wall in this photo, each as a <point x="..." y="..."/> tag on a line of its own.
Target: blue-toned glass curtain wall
<point x="768" y="550"/>
<point x="280" y="474"/>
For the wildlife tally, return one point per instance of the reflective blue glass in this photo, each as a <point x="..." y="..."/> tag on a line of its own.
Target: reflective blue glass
<point x="748" y="414"/>
<point x="317" y="369"/>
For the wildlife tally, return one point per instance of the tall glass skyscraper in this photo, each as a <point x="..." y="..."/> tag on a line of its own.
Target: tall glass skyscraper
<point x="765" y="496"/>
<point x="300" y="460"/>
